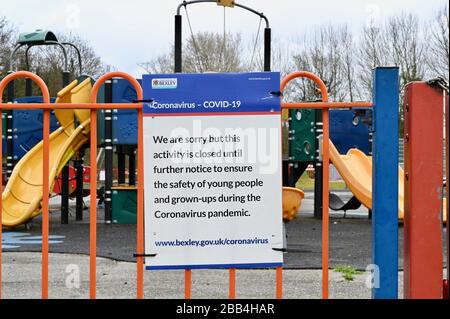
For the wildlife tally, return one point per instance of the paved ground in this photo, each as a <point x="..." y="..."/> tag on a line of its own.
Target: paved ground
<point x="349" y="245"/>
<point x="350" y="238"/>
<point x="22" y="273"/>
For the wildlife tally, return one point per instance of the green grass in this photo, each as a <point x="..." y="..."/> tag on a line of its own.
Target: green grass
<point x="348" y="272"/>
<point x="305" y="183"/>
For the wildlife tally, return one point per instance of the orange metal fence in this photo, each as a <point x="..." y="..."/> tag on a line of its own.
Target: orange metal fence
<point x="94" y="106"/>
<point x="325" y="106"/>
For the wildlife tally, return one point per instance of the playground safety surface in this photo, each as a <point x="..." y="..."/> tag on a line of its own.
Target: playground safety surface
<point x="350" y="238"/>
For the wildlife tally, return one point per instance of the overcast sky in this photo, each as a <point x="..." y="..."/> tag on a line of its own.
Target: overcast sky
<point x="125" y="33"/>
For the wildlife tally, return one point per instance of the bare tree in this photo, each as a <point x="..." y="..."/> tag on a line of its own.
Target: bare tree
<point x="372" y="52"/>
<point x="204" y="52"/>
<point x="7" y="34"/>
<point x="438" y="56"/>
<point x="349" y="65"/>
<point x="160" y="65"/>
<point x="48" y="62"/>
<point x="406" y="48"/>
<point x="327" y="52"/>
<point x="282" y="58"/>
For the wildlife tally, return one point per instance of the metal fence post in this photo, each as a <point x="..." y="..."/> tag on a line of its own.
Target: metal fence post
<point x="385" y="182"/>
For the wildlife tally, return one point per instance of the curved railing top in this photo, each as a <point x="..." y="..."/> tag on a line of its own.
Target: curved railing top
<point x="260" y="14"/>
<point x="303" y="74"/>
<point x="23" y="75"/>
<point x="116" y="74"/>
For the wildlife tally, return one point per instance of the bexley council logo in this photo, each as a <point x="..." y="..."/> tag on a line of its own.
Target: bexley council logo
<point x="164" y="84"/>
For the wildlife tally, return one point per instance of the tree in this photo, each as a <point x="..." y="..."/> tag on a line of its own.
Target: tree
<point x="326" y="52"/>
<point x="7" y="32"/>
<point x="48" y="62"/>
<point x="438" y="56"/>
<point x="204" y="52"/>
<point x="348" y="65"/>
<point x="372" y="52"/>
<point x="7" y="38"/>
<point x="406" y="47"/>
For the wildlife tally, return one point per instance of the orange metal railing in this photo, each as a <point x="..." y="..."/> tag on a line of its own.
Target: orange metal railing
<point x="93" y="106"/>
<point x="325" y="106"/>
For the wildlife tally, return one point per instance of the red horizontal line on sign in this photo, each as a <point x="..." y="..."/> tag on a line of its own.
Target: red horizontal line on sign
<point x="70" y="106"/>
<point x="211" y="114"/>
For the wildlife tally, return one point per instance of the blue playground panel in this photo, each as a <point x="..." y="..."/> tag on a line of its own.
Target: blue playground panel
<point x="345" y="135"/>
<point x="124" y="125"/>
<point x="27" y="127"/>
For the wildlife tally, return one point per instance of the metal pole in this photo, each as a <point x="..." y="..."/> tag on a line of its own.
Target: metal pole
<point x="423" y="259"/>
<point x="28" y="81"/>
<point x="108" y="153"/>
<point x="318" y="178"/>
<point x="447" y="150"/>
<point x="93" y="208"/>
<point x="267" y="49"/>
<point x="65" y="173"/>
<point x="9" y="131"/>
<point x="79" y="190"/>
<point x="28" y="87"/>
<point x="132" y="166"/>
<point x="178" y="43"/>
<point x="79" y="167"/>
<point x="370" y="146"/>
<point x="385" y="183"/>
<point x="120" y="164"/>
<point x="80" y="64"/>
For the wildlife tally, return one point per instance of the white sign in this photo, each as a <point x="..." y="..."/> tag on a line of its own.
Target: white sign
<point x="213" y="191"/>
<point x="212" y="171"/>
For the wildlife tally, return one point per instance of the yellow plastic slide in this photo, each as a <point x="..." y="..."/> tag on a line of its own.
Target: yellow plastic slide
<point x="356" y="169"/>
<point x="23" y="193"/>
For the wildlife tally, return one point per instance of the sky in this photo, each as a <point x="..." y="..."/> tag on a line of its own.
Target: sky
<point x="125" y="33"/>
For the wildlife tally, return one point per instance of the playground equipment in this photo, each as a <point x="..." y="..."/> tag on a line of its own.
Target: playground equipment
<point x="385" y="188"/>
<point x="27" y="127"/>
<point x="385" y="218"/>
<point x="118" y="129"/>
<point x="80" y="132"/>
<point x="424" y="207"/>
<point x="26" y="138"/>
<point x="348" y="129"/>
<point x="356" y="169"/>
<point x="178" y="45"/>
<point x="23" y="192"/>
<point x="423" y="258"/>
<point x="292" y="201"/>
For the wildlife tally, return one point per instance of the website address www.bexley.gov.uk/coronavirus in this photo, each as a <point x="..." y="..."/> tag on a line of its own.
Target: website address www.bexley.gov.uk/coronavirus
<point x="211" y="242"/>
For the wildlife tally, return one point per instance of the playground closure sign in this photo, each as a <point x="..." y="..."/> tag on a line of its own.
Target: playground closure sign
<point x="212" y="151"/>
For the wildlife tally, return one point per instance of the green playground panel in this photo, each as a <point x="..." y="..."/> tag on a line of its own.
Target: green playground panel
<point x="302" y="143"/>
<point x="37" y="37"/>
<point x="124" y="205"/>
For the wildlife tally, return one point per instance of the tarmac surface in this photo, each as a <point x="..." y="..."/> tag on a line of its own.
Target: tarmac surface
<point x="350" y="245"/>
<point x="350" y="237"/>
<point x="22" y="279"/>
